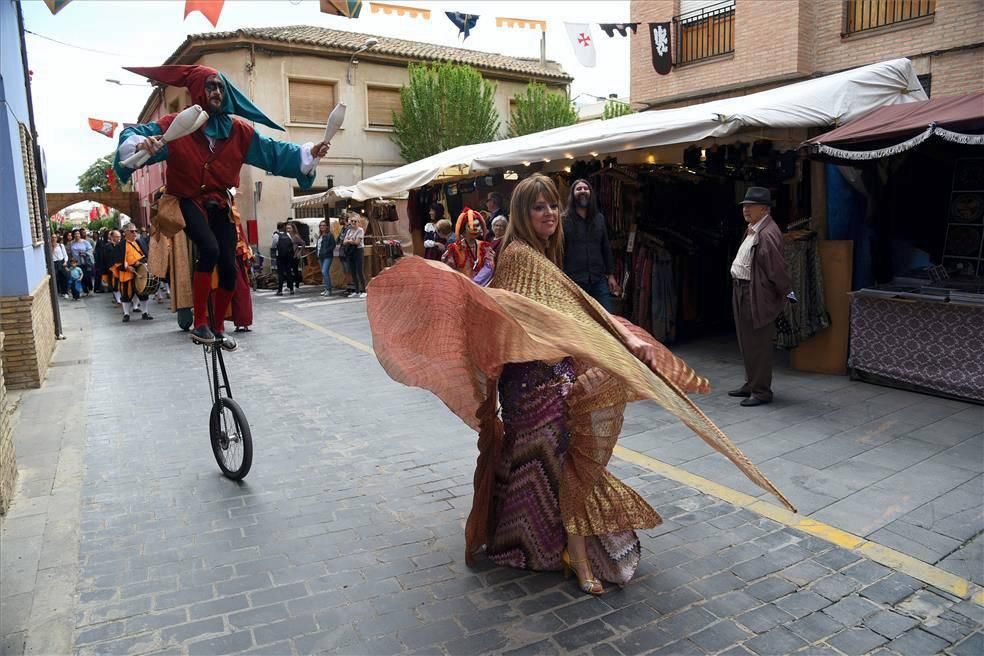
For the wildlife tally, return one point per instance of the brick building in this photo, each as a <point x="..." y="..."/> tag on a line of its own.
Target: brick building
<point x="735" y="47"/>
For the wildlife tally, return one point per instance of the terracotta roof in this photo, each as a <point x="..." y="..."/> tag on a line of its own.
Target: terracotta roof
<point x="412" y="50"/>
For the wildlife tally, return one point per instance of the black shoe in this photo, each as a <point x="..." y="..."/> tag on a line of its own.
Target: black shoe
<point x="292" y="292"/>
<point x="752" y="401"/>
<point x="279" y="293"/>
<point x="126" y="318"/>
<point x="202" y="335"/>
<point x="740" y="393"/>
<point x="225" y="342"/>
<point x="146" y="317"/>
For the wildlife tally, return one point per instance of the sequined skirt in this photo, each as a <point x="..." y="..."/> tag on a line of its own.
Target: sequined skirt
<point x="528" y="530"/>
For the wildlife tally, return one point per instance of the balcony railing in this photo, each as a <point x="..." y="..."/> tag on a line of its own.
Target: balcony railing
<point x="706" y="32"/>
<point x="861" y="15"/>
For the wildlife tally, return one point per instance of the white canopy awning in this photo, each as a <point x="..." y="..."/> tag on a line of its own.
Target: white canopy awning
<point x="819" y="103"/>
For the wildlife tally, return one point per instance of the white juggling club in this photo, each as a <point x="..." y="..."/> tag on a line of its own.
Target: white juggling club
<point x="183" y="124"/>
<point x="335" y="120"/>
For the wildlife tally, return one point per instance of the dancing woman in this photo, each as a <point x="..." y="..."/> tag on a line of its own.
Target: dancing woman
<point x="563" y="369"/>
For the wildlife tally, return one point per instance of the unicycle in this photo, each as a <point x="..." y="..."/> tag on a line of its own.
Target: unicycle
<point x="232" y="442"/>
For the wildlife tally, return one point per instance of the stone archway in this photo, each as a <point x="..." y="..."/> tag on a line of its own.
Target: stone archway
<point x="127" y="202"/>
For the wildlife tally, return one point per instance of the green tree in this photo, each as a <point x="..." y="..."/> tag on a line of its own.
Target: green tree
<point x="94" y="179"/>
<point x="443" y="106"/>
<point x="538" y="109"/>
<point x="616" y="108"/>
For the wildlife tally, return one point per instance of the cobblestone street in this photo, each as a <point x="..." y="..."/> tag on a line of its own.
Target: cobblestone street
<point x="347" y="536"/>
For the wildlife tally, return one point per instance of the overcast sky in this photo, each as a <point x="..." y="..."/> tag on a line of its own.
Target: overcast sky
<point x="69" y="83"/>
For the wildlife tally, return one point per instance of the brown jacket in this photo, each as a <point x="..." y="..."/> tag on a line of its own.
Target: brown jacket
<point x="770" y="280"/>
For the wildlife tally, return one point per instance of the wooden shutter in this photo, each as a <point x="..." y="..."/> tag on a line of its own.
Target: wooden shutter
<point x="31" y="186"/>
<point x="382" y="103"/>
<point x="311" y="102"/>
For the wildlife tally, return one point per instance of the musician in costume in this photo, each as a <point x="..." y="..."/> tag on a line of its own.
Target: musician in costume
<point x="131" y="255"/>
<point x="203" y="166"/>
<point x="113" y="256"/>
<point x="469" y="254"/>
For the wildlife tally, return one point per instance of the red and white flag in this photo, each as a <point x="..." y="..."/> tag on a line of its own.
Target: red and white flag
<point x="103" y="127"/>
<point x="210" y="9"/>
<point x="583" y="43"/>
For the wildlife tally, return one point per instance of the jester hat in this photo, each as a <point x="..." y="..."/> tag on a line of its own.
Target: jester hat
<point x="470" y="221"/>
<point x="193" y="78"/>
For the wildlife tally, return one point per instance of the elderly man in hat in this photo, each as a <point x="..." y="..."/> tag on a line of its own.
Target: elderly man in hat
<point x="201" y="169"/>
<point x="761" y="287"/>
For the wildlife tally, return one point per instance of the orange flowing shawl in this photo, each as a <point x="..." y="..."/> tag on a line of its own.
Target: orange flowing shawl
<point x="531" y="312"/>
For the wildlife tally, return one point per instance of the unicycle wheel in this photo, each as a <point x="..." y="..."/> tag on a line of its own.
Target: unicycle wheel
<point x="232" y="442"/>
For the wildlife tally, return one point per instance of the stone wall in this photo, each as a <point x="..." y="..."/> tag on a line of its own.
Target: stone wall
<point x="8" y="460"/>
<point x="30" y="336"/>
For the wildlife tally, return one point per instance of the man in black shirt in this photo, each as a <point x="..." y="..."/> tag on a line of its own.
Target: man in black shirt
<point x="587" y="253"/>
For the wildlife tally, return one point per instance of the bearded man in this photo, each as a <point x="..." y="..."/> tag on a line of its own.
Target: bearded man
<point x="201" y="169"/>
<point x="588" y="257"/>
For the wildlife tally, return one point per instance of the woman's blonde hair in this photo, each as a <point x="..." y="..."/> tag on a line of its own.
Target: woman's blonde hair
<point x="520" y="228"/>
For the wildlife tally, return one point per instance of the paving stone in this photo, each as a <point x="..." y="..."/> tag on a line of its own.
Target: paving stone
<point x="142" y="623"/>
<point x="712" y="586"/>
<point x="889" y="623"/>
<point x="777" y="641"/>
<point x="479" y="643"/>
<point x="836" y="586"/>
<point x="804" y="573"/>
<point x="731" y="604"/>
<point x="802" y="603"/>
<point x="631" y="617"/>
<point x="185" y="632"/>
<point x="679" y="648"/>
<point x="764" y="618"/>
<point x="837" y="558"/>
<point x="488" y="617"/>
<point x="856" y="641"/>
<point x="218" y="607"/>
<point x="584" y="634"/>
<point x="719" y="636"/>
<point x="770" y="588"/>
<point x="430" y="634"/>
<point x="891" y="589"/>
<point x="950" y="627"/>
<point x="867" y="571"/>
<point x="915" y="642"/>
<point x="227" y="644"/>
<point x="686" y="623"/>
<point x="851" y="611"/>
<point x="642" y="641"/>
<point x="973" y="645"/>
<point x="815" y="627"/>
<point x="604" y="649"/>
<point x="673" y="601"/>
<point x="924" y="604"/>
<point x="544" y="647"/>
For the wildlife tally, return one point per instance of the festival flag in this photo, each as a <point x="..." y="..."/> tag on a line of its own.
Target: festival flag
<point x="464" y="22"/>
<point x="347" y="8"/>
<point x="400" y="10"/>
<point x="659" y="36"/>
<point x="622" y="28"/>
<point x="521" y="23"/>
<point x="582" y="42"/>
<point x="210" y="9"/>
<point x="103" y="127"/>
<point x="54" y="6"/>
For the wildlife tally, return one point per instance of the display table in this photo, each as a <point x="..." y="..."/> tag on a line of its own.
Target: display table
<point x="921" y="344"/>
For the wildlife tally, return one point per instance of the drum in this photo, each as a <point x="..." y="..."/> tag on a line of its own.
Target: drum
<point x="144" y="282"/>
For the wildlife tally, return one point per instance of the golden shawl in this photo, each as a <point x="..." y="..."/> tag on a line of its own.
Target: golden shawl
<point x="532" y="312"/>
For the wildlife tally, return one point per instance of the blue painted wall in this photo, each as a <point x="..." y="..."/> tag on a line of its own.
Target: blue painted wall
<point x="22" y="264"/>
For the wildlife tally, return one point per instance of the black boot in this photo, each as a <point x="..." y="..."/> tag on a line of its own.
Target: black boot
<point x="202" y="335"/>
<point x="225" y="342"/>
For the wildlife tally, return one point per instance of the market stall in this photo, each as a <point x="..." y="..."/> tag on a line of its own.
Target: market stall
<point x="912" y="197"/>
<point x="668" y="183"/>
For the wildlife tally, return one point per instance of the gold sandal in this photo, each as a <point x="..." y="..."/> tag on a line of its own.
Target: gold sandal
<point x="589" y="586"/>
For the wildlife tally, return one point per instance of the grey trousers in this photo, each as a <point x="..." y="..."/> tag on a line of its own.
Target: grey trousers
<point x="756" y="344"/>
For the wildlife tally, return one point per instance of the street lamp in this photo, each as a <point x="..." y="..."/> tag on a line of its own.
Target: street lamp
<point x="353" y="62"/>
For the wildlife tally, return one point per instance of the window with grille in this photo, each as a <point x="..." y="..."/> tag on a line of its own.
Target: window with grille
<point x="383" y="103"/>
<point x="31" y="185"/>
<point x="926" y="81"/>
<point x="861" y="15"/>
<point x="310" y="101"/>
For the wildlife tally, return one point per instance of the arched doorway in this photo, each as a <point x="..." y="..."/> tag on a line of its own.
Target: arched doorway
<point x="127" y="202"/>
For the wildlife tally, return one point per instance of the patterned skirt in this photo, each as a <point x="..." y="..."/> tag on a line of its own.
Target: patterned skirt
<point x="527" y="527"/>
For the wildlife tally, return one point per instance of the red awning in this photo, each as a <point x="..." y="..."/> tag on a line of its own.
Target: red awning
<point x="958" y="113"/>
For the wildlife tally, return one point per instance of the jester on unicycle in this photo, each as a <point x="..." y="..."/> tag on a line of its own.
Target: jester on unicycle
<point x="205" y="146"/>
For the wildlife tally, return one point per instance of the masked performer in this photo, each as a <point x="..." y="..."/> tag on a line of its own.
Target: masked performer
<point x="564" y="369"/>
<point x="203" y="166"/>
<point x="469" y="254"/>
